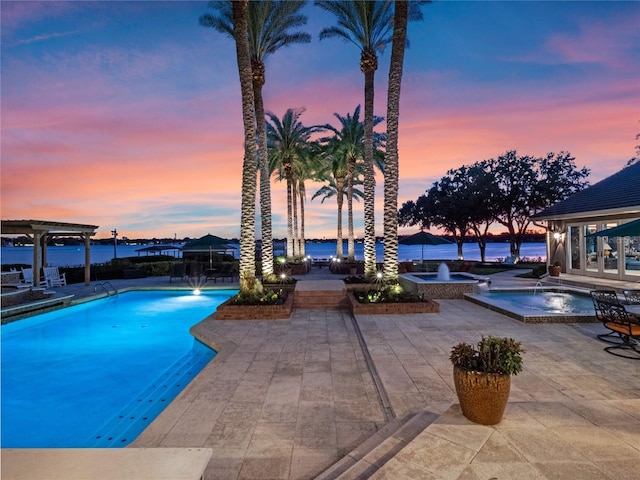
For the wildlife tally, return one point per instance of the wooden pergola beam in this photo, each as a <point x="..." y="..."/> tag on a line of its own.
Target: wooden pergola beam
<point x="41" y="229"/>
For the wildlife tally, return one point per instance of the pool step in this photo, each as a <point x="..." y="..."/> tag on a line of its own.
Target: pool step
<point x="142" y="410"/>
<point x="320" y="294"/>
<point x="371" y="455"/>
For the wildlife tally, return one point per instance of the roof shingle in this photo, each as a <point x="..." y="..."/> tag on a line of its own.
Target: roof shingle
<point x="619" y="191"/>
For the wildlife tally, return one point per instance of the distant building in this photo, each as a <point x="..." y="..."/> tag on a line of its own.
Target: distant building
<point x="574" y="224"/>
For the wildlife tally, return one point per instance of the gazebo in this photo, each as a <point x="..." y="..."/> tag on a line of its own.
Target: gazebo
<point x="40" y="230"/>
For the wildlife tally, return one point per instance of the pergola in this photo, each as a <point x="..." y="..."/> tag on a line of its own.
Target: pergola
<point x="37" y="230"/>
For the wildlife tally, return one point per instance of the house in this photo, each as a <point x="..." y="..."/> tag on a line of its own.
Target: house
<point x="573" y="227"/>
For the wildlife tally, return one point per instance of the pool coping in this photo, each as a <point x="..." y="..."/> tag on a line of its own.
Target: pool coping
<point x="525" y="315"/>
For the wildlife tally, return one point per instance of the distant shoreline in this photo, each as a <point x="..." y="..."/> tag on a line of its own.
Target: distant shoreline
<point x="140" y="242"/>
<point x="73" y="255"/>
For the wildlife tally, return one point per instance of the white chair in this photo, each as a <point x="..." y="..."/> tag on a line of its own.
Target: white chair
<point x="27" y="276"/>
<point x="53" y="278"/>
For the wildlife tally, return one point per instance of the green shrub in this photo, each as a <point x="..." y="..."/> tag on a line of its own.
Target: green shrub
<point x="491" y="355"/>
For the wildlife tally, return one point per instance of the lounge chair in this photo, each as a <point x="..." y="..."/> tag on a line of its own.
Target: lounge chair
<point x="53" y="277"/>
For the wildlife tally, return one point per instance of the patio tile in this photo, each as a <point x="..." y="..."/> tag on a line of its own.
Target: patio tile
<point x="503" y="470"/>
<point x="583" y="471"/>
<point x="307" y="463"/>
<point x="437" y="455"/>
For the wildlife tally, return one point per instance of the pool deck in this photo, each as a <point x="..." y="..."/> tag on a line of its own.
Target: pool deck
<point x="291" y="399"/>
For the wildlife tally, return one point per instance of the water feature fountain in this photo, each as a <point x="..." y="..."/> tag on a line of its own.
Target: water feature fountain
<point x="443" y="272"/>
<point x="441" y="284"/>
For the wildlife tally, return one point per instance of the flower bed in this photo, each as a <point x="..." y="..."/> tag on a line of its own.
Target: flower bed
<point x="392" y="308"/>
<point x="231" y="311"/>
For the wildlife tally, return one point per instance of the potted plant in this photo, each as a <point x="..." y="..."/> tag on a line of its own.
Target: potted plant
<point x="482" y="376"/>
<point x="554" y="270"/>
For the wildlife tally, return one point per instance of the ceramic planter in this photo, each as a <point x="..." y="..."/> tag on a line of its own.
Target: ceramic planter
<point x="483" y="396"/>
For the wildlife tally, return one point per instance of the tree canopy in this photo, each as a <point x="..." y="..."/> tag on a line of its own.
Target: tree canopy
<point x="507" y="191"/>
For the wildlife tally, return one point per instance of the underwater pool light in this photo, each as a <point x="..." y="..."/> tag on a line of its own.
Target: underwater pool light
<point x="197" y="291"/>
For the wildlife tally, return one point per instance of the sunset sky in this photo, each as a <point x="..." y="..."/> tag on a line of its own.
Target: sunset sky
<point x="127" y="115"/>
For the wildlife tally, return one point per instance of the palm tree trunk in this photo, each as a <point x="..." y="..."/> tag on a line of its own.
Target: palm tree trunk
<point x="340" y="200"/>
<point x="351" y="167"/>
<point x="302" y="194"/>
<point x="289" y="219"/>
<point x="265" y="182"/>
<point x="391" y="163"/>
<point x="248" y="204"/>
<point x="369" y="179"/>
<point x="294" y="209"/>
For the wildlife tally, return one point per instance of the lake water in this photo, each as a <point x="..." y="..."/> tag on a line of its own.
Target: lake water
<point x="74" y="255"/>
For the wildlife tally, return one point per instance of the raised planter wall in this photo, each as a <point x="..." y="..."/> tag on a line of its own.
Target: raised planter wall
<point x="357" y="308"/>
<point x="227" y="311"/>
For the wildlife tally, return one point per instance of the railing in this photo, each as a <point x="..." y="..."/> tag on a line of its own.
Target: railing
<point x="105" y="286"/>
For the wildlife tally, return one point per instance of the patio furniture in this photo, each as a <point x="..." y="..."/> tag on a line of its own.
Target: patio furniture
<point x="195" y="271"/>
<point x="53" y="277"/>
<point x="631" y="297"/>
<point x="178" y="270"/>
<point x="27" y="276"/>
<point x="600" y="298"/>
<point x="616" y="318"/>
<point x="222" y="271"/>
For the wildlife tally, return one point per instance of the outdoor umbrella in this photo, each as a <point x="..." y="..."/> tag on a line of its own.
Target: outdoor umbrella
<point x="208" y="243"/>
<point x="423" y="238"/>
<point x="629" y="229"/>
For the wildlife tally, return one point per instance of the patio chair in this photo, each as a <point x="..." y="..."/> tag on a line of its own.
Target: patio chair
<point x="27" y="276"/>
<point x="195" y="272"/>
<point x="178" y="270"/>
<point x="617" y="319"/>
<point x="53" y="277"/>
<point x="226" y="270"/>
<point x="601" y="298"/>
<point x="632" y="297"/>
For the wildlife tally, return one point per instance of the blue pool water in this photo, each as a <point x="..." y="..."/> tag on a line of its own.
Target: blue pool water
<point x="550" y="302"/>
<point x="96" y="374"/>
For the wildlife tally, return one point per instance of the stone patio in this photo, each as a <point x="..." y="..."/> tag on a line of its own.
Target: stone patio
<point x="287" y="399"/>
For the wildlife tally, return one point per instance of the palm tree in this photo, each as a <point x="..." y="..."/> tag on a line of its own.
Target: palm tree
<point x="403" y="12"/>
<point x="333" y="178"/>
<point x="347" y="147"/>
<point x="269" y="24"/>
<point x="391" y="172"/>
<point x="248" y="281"/>
<point x="289" y="152"/>
<point x="367" y="24"/>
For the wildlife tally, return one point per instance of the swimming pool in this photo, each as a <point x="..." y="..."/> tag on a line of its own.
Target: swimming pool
<point x="96" y="374"/>
<point x="538" y="305"/>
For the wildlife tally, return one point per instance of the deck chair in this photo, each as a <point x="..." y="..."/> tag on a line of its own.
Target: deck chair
<point x="178" y="270"/>
<point x="53" y="277"/>
<point x="27" y="276"/>
<point x="617" y="319"/>
<point x="601" y="299"/>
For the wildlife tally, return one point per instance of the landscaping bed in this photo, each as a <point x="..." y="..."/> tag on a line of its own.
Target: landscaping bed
<point x="231" y="311"/>
<point x="379" y="308"/>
